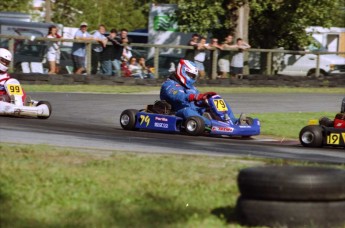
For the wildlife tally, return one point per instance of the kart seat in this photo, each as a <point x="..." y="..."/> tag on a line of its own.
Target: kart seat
<point x="160" y="107"/>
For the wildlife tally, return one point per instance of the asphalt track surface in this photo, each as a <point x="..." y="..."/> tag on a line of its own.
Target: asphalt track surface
<point x="90" y="123"/>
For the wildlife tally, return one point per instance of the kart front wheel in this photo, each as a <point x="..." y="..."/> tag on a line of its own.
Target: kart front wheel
<point x="311" y="136"/>
<point x="49" y="108"/>
<point x="194" y="125"/>
<point x="128" y="119"/>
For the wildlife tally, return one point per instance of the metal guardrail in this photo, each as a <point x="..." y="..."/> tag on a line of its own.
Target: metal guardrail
<point x="157" y="47"/>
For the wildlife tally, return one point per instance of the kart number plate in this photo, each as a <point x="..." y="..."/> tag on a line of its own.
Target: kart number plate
<point x="334" y="138"/>
<point x="220" y="105"/>
<point x="13" y="89"/>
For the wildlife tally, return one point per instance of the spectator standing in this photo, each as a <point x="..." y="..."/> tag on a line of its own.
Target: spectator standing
<point x="190" y="53"/>
<point x="135" y="68"/>
<point x="118" y="50"/>
<point x="200" y="56"/>
<point x="108" y="53"/>
<point x="98" y="48"/>
<point x="237" y="59"/>
<point x="79" y="49"/>
<point x="53" y="50"/>
<point x="145" y="71"/>
<point x="225" y="56"/>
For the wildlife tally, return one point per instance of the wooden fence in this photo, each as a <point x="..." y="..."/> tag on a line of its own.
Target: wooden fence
<point x="268" y="53"/>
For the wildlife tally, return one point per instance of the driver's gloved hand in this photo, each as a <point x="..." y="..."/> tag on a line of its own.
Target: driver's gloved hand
<point x="196" y="97"/>
<point x="200" y="96"/>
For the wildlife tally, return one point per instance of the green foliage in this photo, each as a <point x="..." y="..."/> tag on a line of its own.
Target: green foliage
<point x="282" y="23"/>
<point x="22" y="6"/>
<point x="201" y="16"/>
<point x="113" y="14"/>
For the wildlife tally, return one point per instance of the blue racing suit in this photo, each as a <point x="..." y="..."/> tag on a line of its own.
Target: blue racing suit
<point x="177" y="95"/>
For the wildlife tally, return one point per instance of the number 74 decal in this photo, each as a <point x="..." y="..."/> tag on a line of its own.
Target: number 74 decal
<point x="334" y="138"/>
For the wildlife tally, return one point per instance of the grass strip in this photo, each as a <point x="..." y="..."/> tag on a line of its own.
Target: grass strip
<point x="43" y="186"/>
<point x="143" y="89"/>
<point x="287" y="125"/>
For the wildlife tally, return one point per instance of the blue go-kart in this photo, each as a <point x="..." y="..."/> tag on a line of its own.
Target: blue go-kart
<point x="160" y="117"/>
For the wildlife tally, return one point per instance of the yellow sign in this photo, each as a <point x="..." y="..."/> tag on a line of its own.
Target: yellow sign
<point x="220" y="105"/>
<point x="14" y="89"/>
<point x="333" y="139"/>
<point x="313" y="122"/>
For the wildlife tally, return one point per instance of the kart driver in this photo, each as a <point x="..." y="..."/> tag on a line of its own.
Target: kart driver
<point x="5" y="60"/>
<point x="180" y="93"/>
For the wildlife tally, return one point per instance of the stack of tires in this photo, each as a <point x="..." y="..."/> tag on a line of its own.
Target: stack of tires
<point x="291" y="196"/>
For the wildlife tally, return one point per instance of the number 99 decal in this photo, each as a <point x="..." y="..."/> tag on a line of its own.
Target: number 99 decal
<point x="14" y="90"/>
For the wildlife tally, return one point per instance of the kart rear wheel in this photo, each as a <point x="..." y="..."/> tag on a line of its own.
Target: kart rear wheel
<point x="342" y="108"/>
<point x="128" y="119"/>
<point x="311" y="136"/>
<point x="49" y="107"/>
<point x="194" y="125"/>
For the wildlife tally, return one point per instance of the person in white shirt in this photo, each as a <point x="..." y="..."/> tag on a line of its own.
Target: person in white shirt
<point x="135" y="68"/>
<point x="200" y="56"/>
<point x="53" y="50"/>
<point x="236" y="66"/>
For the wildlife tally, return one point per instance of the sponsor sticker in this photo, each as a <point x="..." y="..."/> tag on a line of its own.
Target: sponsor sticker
<point x="161" y="125"/>
<point x="161" y="119"/>
<point x="222" y="129"/>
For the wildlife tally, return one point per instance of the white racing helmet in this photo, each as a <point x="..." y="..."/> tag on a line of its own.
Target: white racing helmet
<point x="5" y="59"/>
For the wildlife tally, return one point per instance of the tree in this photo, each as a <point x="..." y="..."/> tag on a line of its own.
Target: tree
<point x="273" y="23"/>
<point x="278" y="23"/>
<point x="114" y="14"/>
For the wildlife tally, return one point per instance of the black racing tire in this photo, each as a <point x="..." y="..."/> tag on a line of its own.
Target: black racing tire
<point x="49" y="107"/>
<point x="311" y="136"/>
<point x="194" y="125"/>
<point x="342" y="107"/>
<point x="297" y="183"/>
<point x="128" y="119"/>
<point x="251" y="212"/>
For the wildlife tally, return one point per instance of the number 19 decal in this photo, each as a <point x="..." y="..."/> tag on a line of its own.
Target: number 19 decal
<point x="333" y="139"/>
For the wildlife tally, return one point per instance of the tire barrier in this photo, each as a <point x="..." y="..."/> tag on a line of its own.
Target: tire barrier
<point x="291" y="196"/>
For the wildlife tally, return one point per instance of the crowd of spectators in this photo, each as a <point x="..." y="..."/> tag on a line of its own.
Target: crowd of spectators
<point x="110" y="56"/>
<point x="229" y="62"/>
